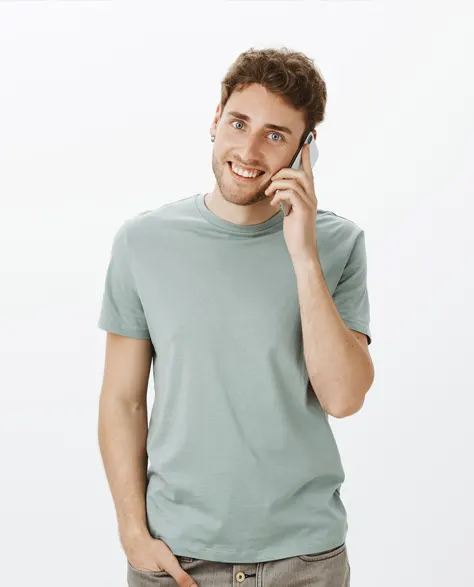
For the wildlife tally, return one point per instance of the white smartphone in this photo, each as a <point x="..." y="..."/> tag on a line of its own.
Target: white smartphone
<point x="297" y="164"/>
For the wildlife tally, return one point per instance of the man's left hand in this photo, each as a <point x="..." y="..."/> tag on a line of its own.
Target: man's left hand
<point x="296" y="186"/>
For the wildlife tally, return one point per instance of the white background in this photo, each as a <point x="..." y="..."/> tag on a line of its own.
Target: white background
<point x="105" y="109"/>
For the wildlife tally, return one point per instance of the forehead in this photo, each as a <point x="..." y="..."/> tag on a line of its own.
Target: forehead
<point x="264" y="108"/>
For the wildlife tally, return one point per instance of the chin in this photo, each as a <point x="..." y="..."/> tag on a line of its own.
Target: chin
<point x="242" y="197"/>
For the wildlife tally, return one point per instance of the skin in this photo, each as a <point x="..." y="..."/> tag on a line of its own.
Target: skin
<point x="251" y="145"/>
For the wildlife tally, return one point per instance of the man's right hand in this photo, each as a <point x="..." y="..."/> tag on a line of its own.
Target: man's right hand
<point x="149" y="554"/>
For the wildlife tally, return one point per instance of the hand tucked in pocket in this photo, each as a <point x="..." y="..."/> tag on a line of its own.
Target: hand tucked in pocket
<point x="148" y="554"/>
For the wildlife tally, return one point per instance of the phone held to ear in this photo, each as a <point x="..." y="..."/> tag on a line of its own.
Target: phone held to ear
<point x="298" y="164"/>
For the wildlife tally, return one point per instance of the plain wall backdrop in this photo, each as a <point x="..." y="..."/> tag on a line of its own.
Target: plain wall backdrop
<point x="105" y="109"/>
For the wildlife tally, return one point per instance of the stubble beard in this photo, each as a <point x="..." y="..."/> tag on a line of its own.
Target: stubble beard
<point x="242" y="196"/>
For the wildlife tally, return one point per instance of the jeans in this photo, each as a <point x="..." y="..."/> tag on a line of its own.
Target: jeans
<point x="324" y="569"/>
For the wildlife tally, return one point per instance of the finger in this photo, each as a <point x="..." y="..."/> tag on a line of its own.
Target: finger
<point x="285" y="185"/>
<point x="302" y="188"/>
<point x="288" y="196"/>
<point x="168" y="561"/>
<point x="299" y="184"/>
<point x="307" y="160"/>
<point x="182" y="578"/>
<point x="289" y="173"/>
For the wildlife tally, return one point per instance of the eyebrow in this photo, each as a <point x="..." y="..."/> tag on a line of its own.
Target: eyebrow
<point x="268" y="125"/>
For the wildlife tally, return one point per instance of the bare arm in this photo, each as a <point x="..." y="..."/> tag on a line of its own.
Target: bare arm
<point x="123" y="427"/>
<point x="340" y="368"/>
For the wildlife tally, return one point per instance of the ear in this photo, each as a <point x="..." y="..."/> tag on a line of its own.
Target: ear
<point x="216" y="119"/>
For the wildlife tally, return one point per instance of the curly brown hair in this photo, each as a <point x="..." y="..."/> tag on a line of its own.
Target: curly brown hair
<point x="289" y="74"/>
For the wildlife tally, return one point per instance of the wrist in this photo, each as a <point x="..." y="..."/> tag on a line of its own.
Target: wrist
<point x="133" y="533"/>
<point x="308" y="261"/>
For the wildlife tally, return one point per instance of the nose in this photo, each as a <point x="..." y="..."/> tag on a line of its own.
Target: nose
<point x="250" y="152"/>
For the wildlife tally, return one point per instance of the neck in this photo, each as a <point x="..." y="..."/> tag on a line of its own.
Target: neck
<point x="240" y="213"/>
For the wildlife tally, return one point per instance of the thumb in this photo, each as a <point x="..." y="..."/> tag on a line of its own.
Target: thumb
<point x="182" y="578"/>
<point x="185" y="580"/>
<point x="168" y="561"/>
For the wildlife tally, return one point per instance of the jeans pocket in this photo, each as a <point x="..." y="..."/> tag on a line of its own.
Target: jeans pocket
<point x="320" y="556"/>
<point x="181" y="559"/>
<point x="146" y="571"/>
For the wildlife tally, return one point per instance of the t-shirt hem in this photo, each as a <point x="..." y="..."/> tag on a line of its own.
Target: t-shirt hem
<point x="132" y="333"/>
<point x="359" y="326"/>
<point x="218" y="554"/>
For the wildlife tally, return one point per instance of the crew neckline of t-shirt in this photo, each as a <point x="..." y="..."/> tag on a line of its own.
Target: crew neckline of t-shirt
<point x="231" y="226"/>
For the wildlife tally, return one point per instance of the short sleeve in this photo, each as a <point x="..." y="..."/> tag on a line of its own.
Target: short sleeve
<point x="351" y="296"/>
<point x="121" y="311"/>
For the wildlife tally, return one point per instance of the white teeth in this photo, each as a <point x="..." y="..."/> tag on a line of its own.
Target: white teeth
<point x="244" y="172"/>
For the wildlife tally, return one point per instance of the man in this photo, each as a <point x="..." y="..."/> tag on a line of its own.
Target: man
<point x="257" y="324"/>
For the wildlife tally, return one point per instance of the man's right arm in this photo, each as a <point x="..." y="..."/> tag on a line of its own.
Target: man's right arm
<point x="123" y="428"/>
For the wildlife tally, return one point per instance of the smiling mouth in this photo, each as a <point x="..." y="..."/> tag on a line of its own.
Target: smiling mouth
<point x="241" y="177"/>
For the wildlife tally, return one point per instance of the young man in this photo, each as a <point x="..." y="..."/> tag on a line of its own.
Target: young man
<point x="257" y="324"/>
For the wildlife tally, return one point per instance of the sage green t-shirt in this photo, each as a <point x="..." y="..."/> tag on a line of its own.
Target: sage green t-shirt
<point x="243" y="464"/>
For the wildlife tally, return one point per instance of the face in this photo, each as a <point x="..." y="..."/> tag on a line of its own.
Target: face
<point x="251" y="144"/>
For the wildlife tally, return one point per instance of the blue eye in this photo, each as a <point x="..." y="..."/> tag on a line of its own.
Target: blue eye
<point x="273" y="133"/>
